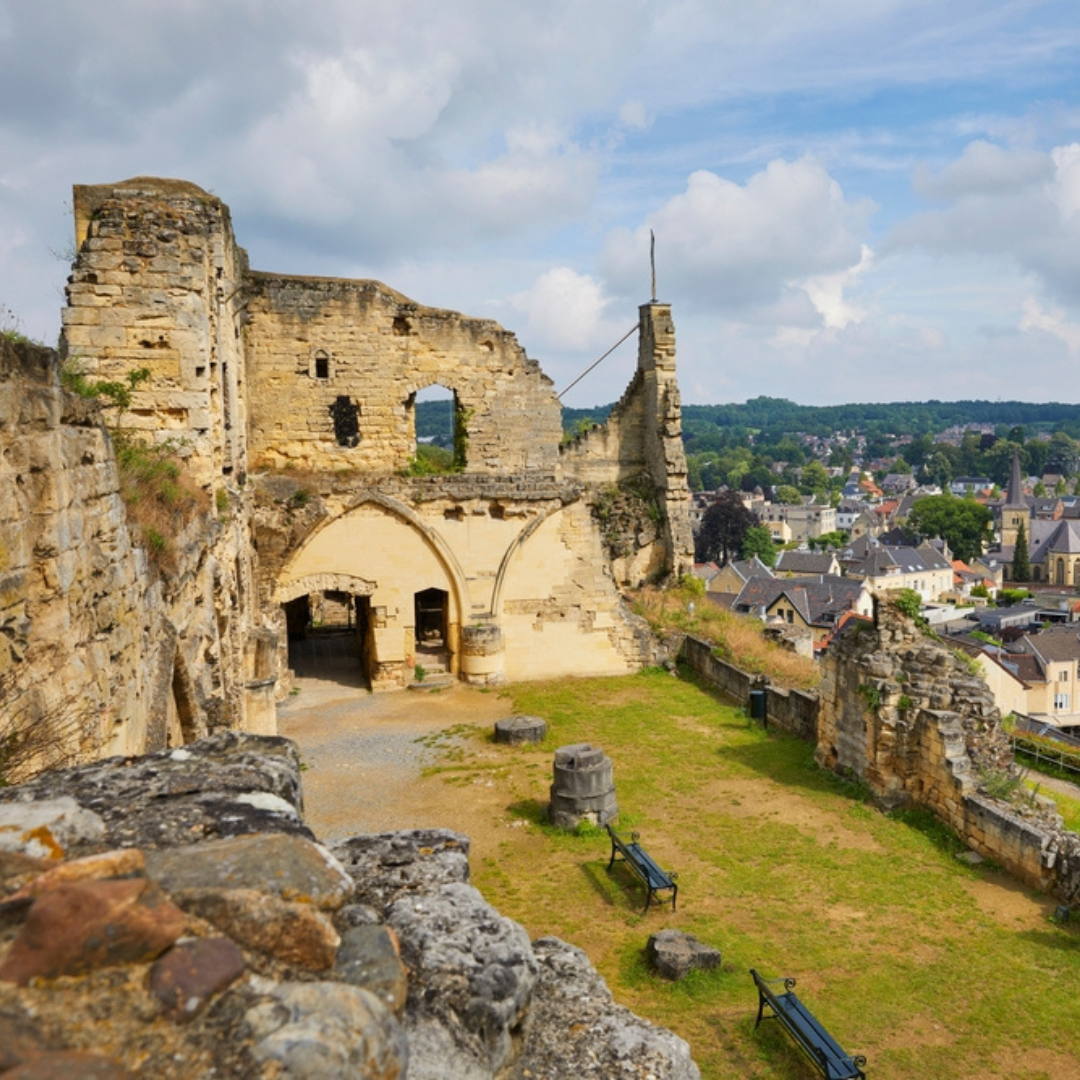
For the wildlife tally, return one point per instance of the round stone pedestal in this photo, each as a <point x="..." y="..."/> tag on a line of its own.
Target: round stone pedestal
<point x="584" y="787"/>
<point x="481" y="654"/>
<point x="520" y="729"/>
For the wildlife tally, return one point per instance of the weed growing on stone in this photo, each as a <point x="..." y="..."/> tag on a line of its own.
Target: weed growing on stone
<point x="9" y="328"/>
<point x="160" y="497"/>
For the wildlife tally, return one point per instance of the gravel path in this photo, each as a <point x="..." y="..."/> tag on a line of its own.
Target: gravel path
<point x="364" y="753"/>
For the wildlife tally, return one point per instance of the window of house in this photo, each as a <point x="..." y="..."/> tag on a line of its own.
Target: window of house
<point x="1061" y="702"/>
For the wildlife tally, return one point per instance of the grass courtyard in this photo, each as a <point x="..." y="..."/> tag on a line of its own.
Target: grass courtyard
<point x="927" y="966"/>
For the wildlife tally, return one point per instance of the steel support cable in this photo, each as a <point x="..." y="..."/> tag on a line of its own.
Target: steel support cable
<point x="595" y="363"/>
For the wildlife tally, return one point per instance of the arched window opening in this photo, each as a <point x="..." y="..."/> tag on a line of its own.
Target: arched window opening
<point x="439" y="431"/>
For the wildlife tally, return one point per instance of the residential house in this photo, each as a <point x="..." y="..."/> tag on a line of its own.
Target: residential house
<point x="971" y="485"/>
<point x="1052" y="696"/>
<point x="731" y="578"/>
<point x="816" y="603"/>
<point x="1004" y="675"/>
<point x="798" y="563"/>
<point x="898" y="483"/>
<point x="706" y="572"/>
<point x="804" y="520"/>
<point x="925" y="569"/>
<point x="966" y="578"/>
<point x="848" y="512"/>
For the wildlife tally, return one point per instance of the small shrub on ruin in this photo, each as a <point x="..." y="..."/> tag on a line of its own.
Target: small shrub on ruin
<point x="160" y="497"/>
<point x="871" y="695"/>
<point x="112" y="393"/>
<point x="1000" y="783"/>
<point x="909" y="602"/>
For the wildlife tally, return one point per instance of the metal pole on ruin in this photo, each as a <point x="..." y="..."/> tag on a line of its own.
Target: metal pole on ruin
<point x="652" y="262"/>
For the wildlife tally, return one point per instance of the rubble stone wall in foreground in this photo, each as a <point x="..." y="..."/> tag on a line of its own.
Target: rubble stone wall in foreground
<point x="172" y="916"/>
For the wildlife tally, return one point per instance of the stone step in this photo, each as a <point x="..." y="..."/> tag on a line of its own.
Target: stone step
<point x="433" y="681"/>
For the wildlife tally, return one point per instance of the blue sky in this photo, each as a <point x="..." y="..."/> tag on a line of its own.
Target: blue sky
<point x="853" y="200"/>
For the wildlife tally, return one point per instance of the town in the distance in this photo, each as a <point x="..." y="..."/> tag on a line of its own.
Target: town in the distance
<point x="802" y="514"/>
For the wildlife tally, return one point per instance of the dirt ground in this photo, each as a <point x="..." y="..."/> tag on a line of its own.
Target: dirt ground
<point x="364" y="755"/>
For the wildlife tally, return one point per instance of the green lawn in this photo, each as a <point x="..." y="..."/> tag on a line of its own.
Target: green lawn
<point x="928" y="967"/>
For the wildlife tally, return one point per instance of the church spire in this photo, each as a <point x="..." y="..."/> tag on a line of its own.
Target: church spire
<point x="1015" y="494"/>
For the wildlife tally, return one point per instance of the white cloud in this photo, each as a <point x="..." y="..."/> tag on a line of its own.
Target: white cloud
<point x="1050" y="321"/>
<point x="1021" y="210"/>
<point x="984" y="169"/>
<point x="736" y="247"/>
<point x="564" y="311"/>
<point x="826" y="292"/>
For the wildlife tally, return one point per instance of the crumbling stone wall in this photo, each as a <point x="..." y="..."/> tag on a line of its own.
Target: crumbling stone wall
<point x="183" y="896"/>
<point x="320" y="376"/>
<point x="103" y="654"/>
<point x="909" y="716"/>
<point x="642" y="440"/>
<point x="314" y="343"/>
<point x="157" y="284"/>
<point x="520" y="560"/>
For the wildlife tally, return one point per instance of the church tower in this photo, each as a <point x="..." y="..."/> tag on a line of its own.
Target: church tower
<point x="1016" y="508"/>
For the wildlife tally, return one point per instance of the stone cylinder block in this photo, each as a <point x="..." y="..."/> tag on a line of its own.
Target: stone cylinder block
<point x="520" y="729"/>
<point x="481" y="656"/>
<point x="583" y="788"/>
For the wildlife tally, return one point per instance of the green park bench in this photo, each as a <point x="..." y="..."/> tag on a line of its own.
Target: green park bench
<point x="642" y="864"/>
<point x="819" y="1046"/>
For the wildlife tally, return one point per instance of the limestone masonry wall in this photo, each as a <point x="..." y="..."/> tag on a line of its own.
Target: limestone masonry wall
<point x="99" y="653"/>
<point x="321" y="349"/>
<point x="903" y="713"/>
<point x="254" y="374"/>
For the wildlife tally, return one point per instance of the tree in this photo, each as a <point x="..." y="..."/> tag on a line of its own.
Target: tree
<point x="963" y="523"/>
<point x="757" y="541"/>
<point x="723" y="527"/>
<point x="788" y="495"/>
<point x="814" y="478"/>
<point x="1021" y="567"/>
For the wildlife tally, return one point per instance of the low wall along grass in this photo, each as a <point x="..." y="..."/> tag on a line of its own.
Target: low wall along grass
<point x="926" y="965"/>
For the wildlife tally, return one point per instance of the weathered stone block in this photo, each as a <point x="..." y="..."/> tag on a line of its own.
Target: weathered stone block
<point x="520" y="729"/>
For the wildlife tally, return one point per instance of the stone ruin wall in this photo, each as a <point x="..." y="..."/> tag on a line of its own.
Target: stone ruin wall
<point x="901" y="712"/>
<point x="261" y="368"/>
<point x="156" y="284"/>
<point x="317" y="346"/>
<point x="905" y="714"/>
<point x="521" y="559"/>
<point x="642" y="438"/>
<point x="97" y="650"/>
<point x="196" y="910"/>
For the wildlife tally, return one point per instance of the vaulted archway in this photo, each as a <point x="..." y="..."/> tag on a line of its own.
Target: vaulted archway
<point x="381" y="556"/>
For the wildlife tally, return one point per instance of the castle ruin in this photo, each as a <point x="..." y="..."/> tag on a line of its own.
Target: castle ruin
<point x="293" y="400"/>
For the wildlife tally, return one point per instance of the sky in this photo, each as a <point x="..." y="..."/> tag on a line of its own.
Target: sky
<point x="852" y="200"/>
